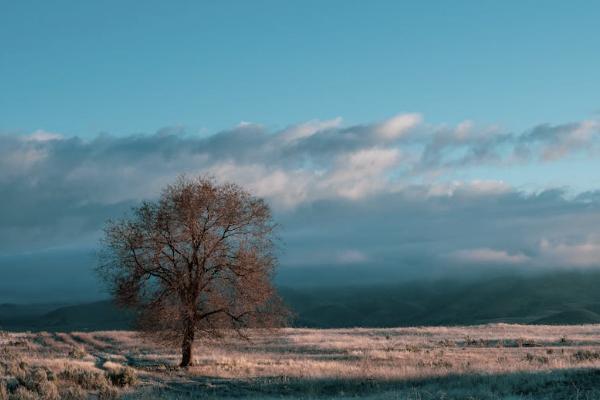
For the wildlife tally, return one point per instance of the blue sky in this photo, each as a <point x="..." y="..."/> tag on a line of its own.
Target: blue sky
<point x="423" y="137"/>
<point x="126" y="67"/>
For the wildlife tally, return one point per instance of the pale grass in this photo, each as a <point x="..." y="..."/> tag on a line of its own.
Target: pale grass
<point x="343" y="353"/>
<point x="399" y="353"/>
<point x="386" y="355"/>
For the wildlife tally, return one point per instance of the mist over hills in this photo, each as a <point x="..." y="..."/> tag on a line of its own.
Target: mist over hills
<point x="552" y="298"/>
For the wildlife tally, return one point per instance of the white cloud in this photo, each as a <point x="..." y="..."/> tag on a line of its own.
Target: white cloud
<point x="563" y="254"/>
<point x="285" y="189"/>
<point x="351" y="257"/>
<point x="489" y="256"/>
<point x="50" y="182"/>
<point x="42" y="136"/>
<point x="308" y="129"/>
<point x="463" y="130"/>
<point x="577" y="138"/>
<point x="398" y="126"/>
<point x="360" y="174"/>
<point x="554" y="142"/>
<point x="474" y="187"/>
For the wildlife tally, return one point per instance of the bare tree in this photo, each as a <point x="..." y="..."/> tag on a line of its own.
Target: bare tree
<point x="199" y="260"/>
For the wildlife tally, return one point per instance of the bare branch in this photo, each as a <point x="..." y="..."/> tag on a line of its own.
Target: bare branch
<point x="197" y="261"/>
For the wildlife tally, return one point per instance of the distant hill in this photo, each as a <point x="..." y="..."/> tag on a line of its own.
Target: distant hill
<point x="561" y="298"/>
<point x="570" y="317"/>
<point x="101" y="315"/>
<point x="20" y="313"/>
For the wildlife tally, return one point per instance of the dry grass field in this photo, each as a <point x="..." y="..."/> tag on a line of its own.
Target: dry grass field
<point x="497" y="361"/>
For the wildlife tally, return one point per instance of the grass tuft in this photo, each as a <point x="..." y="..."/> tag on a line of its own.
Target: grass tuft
<point x="122" y="377"/>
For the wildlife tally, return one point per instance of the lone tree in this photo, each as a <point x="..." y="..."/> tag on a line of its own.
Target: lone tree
<point x="197" y="261"/>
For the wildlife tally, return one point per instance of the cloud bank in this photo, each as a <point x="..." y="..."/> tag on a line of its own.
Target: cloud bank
<point x="391" y="192"/>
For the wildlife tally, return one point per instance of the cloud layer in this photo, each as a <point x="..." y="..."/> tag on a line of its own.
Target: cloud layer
<point x="391" y="192"/>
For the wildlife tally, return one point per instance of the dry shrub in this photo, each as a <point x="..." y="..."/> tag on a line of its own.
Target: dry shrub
<point x="22" y="344"/>
<point x="11" y="364"/>
<point x="18" y="369"/>
<point x="437" y="363"/>
<point x="586" y="355"/>
<point x="23" y="394"/>
<point x="534" y="358"/>
<point x="108" y="393"/>
<point x="85" y="378"/>
<point x="122" y="377"/>
<point x="523" y="342"/>
<point x="413" y="348"/>
<point x="472" y="342"/>
<point x="73" y="393"/>
<point x="77" y="353"/>
<point x="36" y="381"/>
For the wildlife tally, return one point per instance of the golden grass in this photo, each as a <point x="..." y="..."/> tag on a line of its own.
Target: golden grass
<point x="385" y="355"/>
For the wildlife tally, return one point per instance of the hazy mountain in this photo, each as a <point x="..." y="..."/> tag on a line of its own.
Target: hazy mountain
<point x="568" y="298"/>
<point x="561" y="298"/>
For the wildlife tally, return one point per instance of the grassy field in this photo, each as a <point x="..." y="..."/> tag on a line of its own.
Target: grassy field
<point x="497" y="361"/>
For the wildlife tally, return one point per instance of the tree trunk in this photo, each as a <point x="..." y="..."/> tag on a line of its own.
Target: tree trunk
<point x="187" y="346"/>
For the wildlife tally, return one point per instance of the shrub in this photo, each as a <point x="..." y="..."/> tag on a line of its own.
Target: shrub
<point x="522" y="342"/>
<point x="439" y="363"/>
<point x="435" y="363"/>
<point x="77" y="353"/>
<point x="48" y="391"/>
<point x="10" y="364"/>
<point x="122" y="377"/>
<point x="36" y="381"/>
<point x="23" y="394"/>
<point x="586" y="355"/>
<point x="413" y="348"/>
<point x="108" y="393"/>
<point x="73" y="393"/>
<point x="469" y="341"/>
<point x="86" y="378"/>
<point x="536" y="358"/>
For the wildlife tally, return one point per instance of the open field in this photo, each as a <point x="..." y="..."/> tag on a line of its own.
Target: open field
<point x="496" y="361"/>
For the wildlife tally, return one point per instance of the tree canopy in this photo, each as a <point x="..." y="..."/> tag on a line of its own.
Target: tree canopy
<point x="199" y="260"/>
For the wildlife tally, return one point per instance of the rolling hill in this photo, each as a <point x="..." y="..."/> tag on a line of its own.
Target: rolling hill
<point x="560" y="298"/>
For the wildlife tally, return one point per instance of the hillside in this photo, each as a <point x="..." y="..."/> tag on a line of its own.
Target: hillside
<point x="567" y="298"/>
